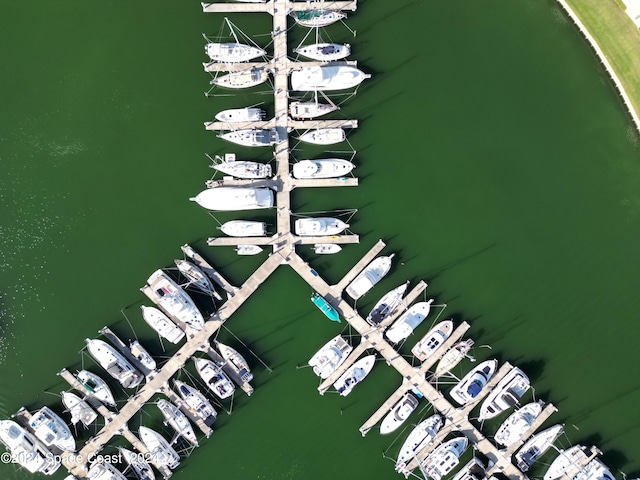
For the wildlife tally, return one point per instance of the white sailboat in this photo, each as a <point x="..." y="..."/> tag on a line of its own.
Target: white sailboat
<point x="372" y="274"/>
<point x="386" y="305"/>
<point x="317" y="18"/>
<point x="322" y="168"/>
<point x="244" y="228"/>
<point x="324" y="52"/>
<point x="354" y="375"/>
<point x="398" y="414"/>
<point x="232" y="52"/>
<point x="246" y="114"/>
<point x="162" y="324"/>
<point x="114" y="363"/>
<point x="421" y="436"/>
<point x="174" y="300"/>
<point x="408" y="321"/>
<point x="215" y="378"/>
<point x="309" y="110"/>
<point x="178" y="421"/>
<point x="432" y="340"/>
<point x="473" y="382"/>
<point x="454" y="356"/>
<point x="326" y="78"/>
<point x="96" y="387"/>
<point x="241" y="168"/>
<point x="26" y="450"/>
<point x="51" y="430"/>
<point x="252" y="137"/>
<point x="319" y="226"/>
<point x="332" y="354"/>
<point x="195" y="275"/>
<point x="243" y="79"/>
<point x="141" y="468"/>
<point x="324" y="136"/>
<point x="517" y="423"/>
<point x="80" y="410"/>
<point x="234" y="198"/>
<point x="505" y="395"/>
<point x="235" y="361"/>
<point x="159" y="448"/>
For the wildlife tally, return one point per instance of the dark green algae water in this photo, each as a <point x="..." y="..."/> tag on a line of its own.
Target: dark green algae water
<point x="495" y="160"/>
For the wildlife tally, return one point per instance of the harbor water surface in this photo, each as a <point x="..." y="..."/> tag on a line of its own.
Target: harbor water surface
<point x="494" y="158"/>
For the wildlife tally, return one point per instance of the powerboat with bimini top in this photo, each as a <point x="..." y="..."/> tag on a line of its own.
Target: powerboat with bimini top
<point x="178" y="421"/>
<point x="159" y="448"/>
<point x="141" y="468"/>
<point x="51" y="430"/>
<point x="232" y="52"/>
<point x="195" y="275"/>
<point x="114" y="363"/>
<point x="142" y="355"/>
<point x="26" y="450"/>
<point x="243" y="79"/>
<point x="398" y="414"/>
<point x="444" y="458"/>
<point x="324" y="136"/>
<point x="324" y="52"/>
<point x="80" y="410"/>
<point x="252" y="137"/>
<point x="96" y="387"/>
<point x="322" y="168"/>
<point x="325" y="307"/>
<point x="319" y="226"/>
<point x="354" y="375"/>
<point x="234" y="198"/>
<point x="421" y="436"/>
<point x="387" y="305"/>
<point x="454" y="356"/>
<point x="372" y="274"/>
<point x="174" y="300"/>
<point x="408" y="321"/>
<point x="235" y="361"/>
<point x="326" y="78"/>
<point x="505" y="395"/>
<point x="309" y="110"/>
<point x="516" y="424"/>
<point x="326" y="248"/>
<point x="473" y="382"/>
<point x="537" y="446"/>
<point x="244" y="228"/>
<point x="215" y="378"/>
<point x="332" y="354"/>
<point x="317" y="18"/>
<point x="162" y="324"/>
<point x="432" y="340"/>
<point x="247" y="114"/>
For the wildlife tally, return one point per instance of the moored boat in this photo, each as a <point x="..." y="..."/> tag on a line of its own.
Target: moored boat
<point x="244" y="228"/>
<point x="26" y="450"/>
<point x="174" y="300"/>
<point x="422" y="435"/>
<point x="473" y="382"/>
<point x="141" y="468"/>
<point x="80" y="410"/>
<point x="398" y="414"/>
<point x="178" y="421"/>
<point x="444" y="458"/>
<point x="248" y="249"/>
<point x="247" y="114"/>
<point x="162" y="324"/>
<point x="354" y="375"/>
<point x="324" y="52"/>
<point x="566" y="461"/>
<point x="159" y="448"/>
<point x="324" y="136"/>
<point x="325" y="307"/>
<point x="536" y="446"/>
<point x="372" y="274"/>
<point x="96" y="387"/>
<point x="215" y="378"/>
<point x="142" y="355"/>
<point x="326" y="248"/>
<point x="322" y="168"/>
<point x="432" y="340"/>
<point x="317" y="18"/>
<point x="236" y="361"/>
<point x="332" y="354"/>
<point x="197" y="401"/>
<point x="51" y="430"/>
<point x="243" y="79"/>
<point x="319" y="226"/>
<point x="454" y="356"/>
<point x="505" y="395"/>
<point x="517" y="423"/>
<point x="326" y="78"/>
<point x="114" y="363"/>
<point x="386" y="305"/>
<point x="195" y="275"/>
<point x="594" y="470"/>
<point x="234" y="198"/>
<point x="252" y="137"/>
<point x="408" y="321"/>
<point x="243" y="169"/>
<point x="308" y="110"/>
<point x="232" y="52"/>
<point x="103" y="470"/>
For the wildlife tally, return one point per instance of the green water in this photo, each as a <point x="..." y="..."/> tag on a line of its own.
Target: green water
<point x="495" y="159"/>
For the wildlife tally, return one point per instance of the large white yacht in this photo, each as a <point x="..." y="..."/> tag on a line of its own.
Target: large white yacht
<point x="242" y="168"/>
<point x="51" y="430"/>
<point x="234" y="198"/>
<point x="505" y="395"/>
<point x="215" y="378"/>
<point x="96" y="387"/>
<point x="444" y="458"/>
<point x="327" y="77"/>
<point x="142" y="355"/>
<point x="372" y="274"/>
<point x="174" y="300"/>
<point x="319" y="226"/>
<point x="422" y="435"/>
<point x="243" y="79"/>
<point x="354" y="375"/>
<point x="114" y="363"/>
<point x="197" y="401"/>
<point x="232" y="52"/>
<point x="387" y="305"/>
<point x="178" y="420"/>
<point x="244" y="228"/>
<point x="138" y="464"/>
<point x="432" y="340"/>
<point x="473" y="382"/>
<point x="80" y="410"/>
<point x="322" y="168"/>
<point x="517" y="423"/>
<point x="332" y="354"/>
<point x="408" y="321"/>
<point x="536" y="446"/>
<point x="398" y="414"/>
<point x="159" y="448"/>
<point x="162" y="324"/>
<point x="26" y="450"/>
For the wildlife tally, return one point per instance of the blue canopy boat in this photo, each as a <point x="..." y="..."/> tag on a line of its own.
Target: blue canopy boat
<point x="326" y="308"/>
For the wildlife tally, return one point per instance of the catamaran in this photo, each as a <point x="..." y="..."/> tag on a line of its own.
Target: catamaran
<point x="372" y="274"/>
<point x="319" y="226"/>
<point x="174" y="300"/>
<point x="234" y="198"/>
<point x="114" y="363"/>
<point x="244" y="228"/>
<point x="215" y="378"/>
<point x="178" y="420"/>
<point x="162" y="324"/>
<point x="332" y="354"/>
<point x="324" y="52"/>
<point x="322" y="168"/>
<point x="51" y="430"/>
<point x="324" y="136"/>
<point x="326" y="78"/>
<point x="408" y="321"/>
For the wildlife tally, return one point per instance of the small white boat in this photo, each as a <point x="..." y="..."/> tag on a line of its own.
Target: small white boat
<point x="178" y="421"/>
<point x="234" y="198"/>
<point x="474" y="469"/>
<point x="232" y="52"/>
<point x="422" y="435"/>
<point x="324" y="136"/>
<point x="322" y="168"/>
<point x="243" y="168"/>
<point x="247" y="114"/>
<point x="197" y="401"/>
<point x="215" y="378"/>
<point x="141" y="468"/>
<point x="453" y="357"/>
<point x="444" y="458"/>
<point x="142" y="355"/>
<point x="387" y="305"/>
<point x="372" y="274"/>
<point x="79" y="409"/>
<point x="244" y="228"/>
<point x="408" y="321"/>
<point x="252" y="137"/>
<point x="103" y="470"/>
<point x="432" y="340"/>
<point x="517" y="424"/>
<point x="566" y="461"/>
<point x="114" y="363"/>
<point x="354" y="375"/>
<point x="162" y="324"/>
<point x="248" y="249"/>
<point x="319" y="226"/>
<point x="536" y="446"/>
<point x="398" y="414"/>
<point x="326" y="248"/>
<point x="326" y="78"/>
<point x="324" y="52"/>
<point x="26" y="450"/>
<point x="308" y="110"/>
<point x="473" y="382"/>
<point x="51" y="430"/>
<point x="96" y="387"/>
<point x="333" y="354"/>
<point x="505" y="395"/>
<point x="174" y="300"/>
<point x="317" y="18"/>
<point x="159" y="448"/>
<point x="195" y="275"/>
<point x="235" y="361"/>
<point x="244" y="79"/>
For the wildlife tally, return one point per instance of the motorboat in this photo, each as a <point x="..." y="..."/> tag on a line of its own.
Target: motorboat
<point x="536" y="446"/>
<point x="421" y="436"/>
<point x="444" y="458"/>
<point x="408" y="321"/>
<point x="454" y="356"/>
<point x="326" y="78"/>
<point x="232" y="52"/>
<point x="322" y="168"/>
<point x="398" y="414"/>
<point x="252" y="137"/>
<point x="103" y="470"/>
<point x="197" y="401"/>
<point x="387" y="305"/>
<point x="243" y="169"/>
<point x="324" y="52"/>
<point x="162" y="324"/>
<point x="195" y="275"/>
<point x="96" y="387"/>
<point x="567" y="460"/>
<point x="159" y="448"/>
<point x="51" y="430"/>
<point x="248" y="249"/>
<point x="474" y="469"/>
<point x="372" y="274"/>
<point x="317" y="18"/>
<point x="235" y="361"/>
<point x="326" y="248"/>
<point x="324" y="136"/>
<point x="234" y="198"/>
<point x="243" y="79"/>
<point x="473" y="382"/>
<point x="319" y="226"/>
<point x="432" y="340"/>
<point x="354" y="375"/>
<point x="114" y="363"/>
<point x="247" y="114"/>
<point x="142" y="355"/>
<point x="178" y="420"/>
<point x="505" y="395"/>
<point x="332" y="354"/>
<point x="26" y="450"/>
<point x="325" y="307"/>
<point x="594" y="470"/>
<point x="141" y="468"/>
<point x="215" y="378"/>
<point x="174" y="300"/>
<point x="516" y="424"/>
<point x="309" y="110"/>
<point x="80" y="410"/>
<point x="244" y="228"/>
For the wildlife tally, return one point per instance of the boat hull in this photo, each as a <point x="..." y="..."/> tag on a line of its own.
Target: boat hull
<point x="386" y="305"/>
<point x="317" y="18"/>
<point x="398" y="414"/>
<point x="114" y="363"/>
<point x="322" y="168"/>
<point x="244" y="169"/>
<point x="235" y="198"/>
<point x="239" y="80"/>
<point x="325" y="307"/>
<point x="324" y="52"/>
<point x="232" y="52"/>
<point x="240" y="115"/>
<point x="162" y="324"/>
<point x="96" y="387"/>
<point x="254" y="137"/>
<point x="244" y="228"/>
<point x="432" y="340"/>
<point x="332" y="354"/>
<point x="326" y="248"/>
<point x="354" y="375"/>
<point x="418" y="439"/>
<point x="326" y="78"/>
<point x="372" y="274"/>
